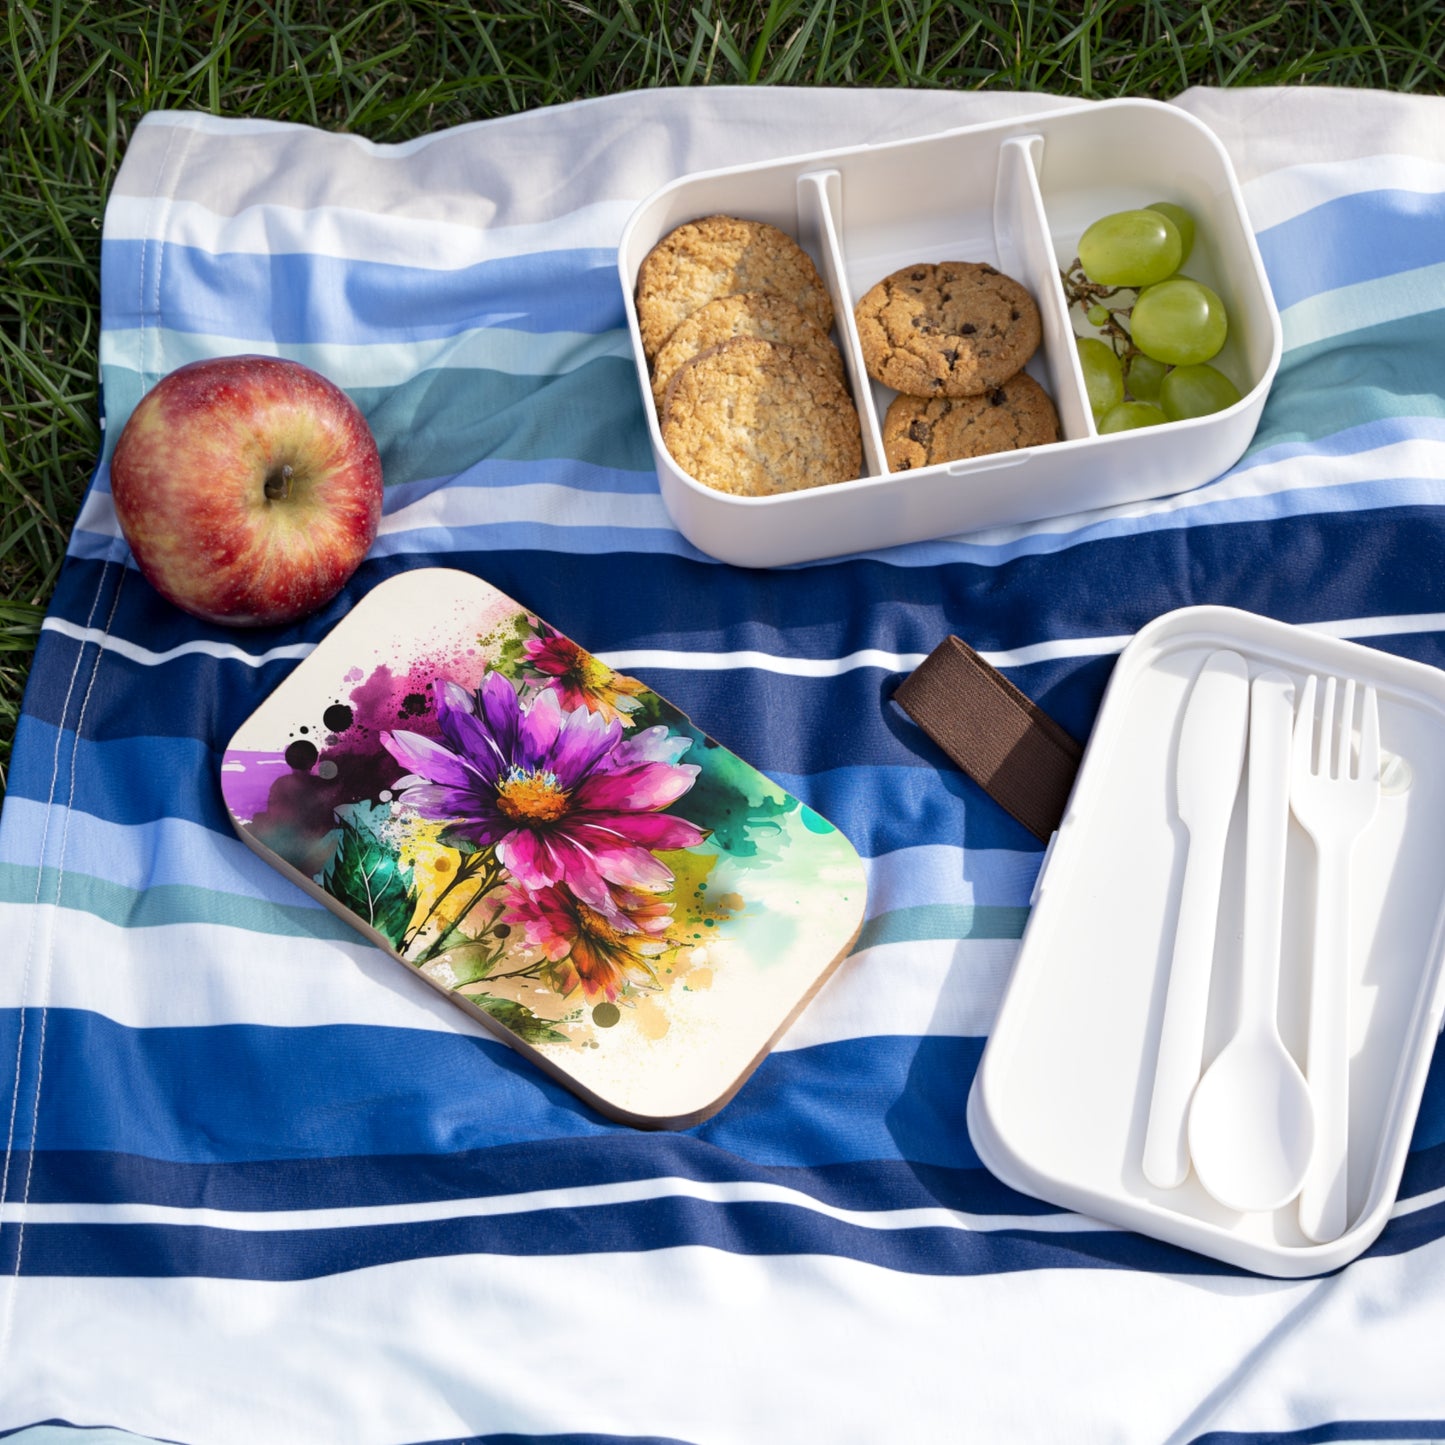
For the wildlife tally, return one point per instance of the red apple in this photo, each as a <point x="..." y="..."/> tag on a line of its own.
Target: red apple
<point x="248" y="487"/>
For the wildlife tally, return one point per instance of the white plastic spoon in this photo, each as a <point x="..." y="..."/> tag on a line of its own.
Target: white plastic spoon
<point x="1251" y="1121"/>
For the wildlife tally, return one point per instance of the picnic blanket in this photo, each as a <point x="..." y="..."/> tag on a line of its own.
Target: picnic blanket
<point x="258" y="1184"/>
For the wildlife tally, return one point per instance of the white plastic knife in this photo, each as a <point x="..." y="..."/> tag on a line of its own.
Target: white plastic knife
<point x="1210" y="760"/>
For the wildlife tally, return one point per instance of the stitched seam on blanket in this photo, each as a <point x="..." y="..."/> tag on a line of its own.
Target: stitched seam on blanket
<point x="48" y="970"/>
<point x="164" y="190"/>
<point x="35" y="926"/>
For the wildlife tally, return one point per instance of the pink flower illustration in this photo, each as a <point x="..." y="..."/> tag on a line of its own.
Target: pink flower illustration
<point x="581" y="680"/>
<point x="562" y="796"/>
<point x="582" y="947"/>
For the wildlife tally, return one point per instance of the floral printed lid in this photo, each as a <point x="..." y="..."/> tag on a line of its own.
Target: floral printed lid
<point x="549" y="843"/>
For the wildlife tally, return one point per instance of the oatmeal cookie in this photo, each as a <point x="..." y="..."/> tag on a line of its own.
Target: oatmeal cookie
<point x="717" y="256"/>
<point x="748" y="313"/>
<point x="918" y="432"/>
<point x="752" y="417"/>
<point x="956" y="328"/>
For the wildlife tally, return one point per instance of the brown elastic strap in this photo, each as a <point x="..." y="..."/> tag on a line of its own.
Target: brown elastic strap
<point x="1008" y="745"/>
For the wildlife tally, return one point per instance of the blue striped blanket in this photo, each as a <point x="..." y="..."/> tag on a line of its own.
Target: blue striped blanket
<point x="259" y="1185"/>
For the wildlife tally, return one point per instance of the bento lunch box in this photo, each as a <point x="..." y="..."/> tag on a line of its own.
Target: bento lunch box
<point x="1016" y="195"/>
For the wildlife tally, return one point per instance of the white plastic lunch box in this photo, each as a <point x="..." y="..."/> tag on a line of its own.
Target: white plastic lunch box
<point x="1060" y="1105"/>
<point x="1016" y="195"/>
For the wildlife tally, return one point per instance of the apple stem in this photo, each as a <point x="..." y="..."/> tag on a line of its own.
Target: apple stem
<point x="278" y="484"/>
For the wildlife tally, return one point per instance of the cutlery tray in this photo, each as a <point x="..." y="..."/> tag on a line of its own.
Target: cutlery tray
<point x="1060" y="1105"/>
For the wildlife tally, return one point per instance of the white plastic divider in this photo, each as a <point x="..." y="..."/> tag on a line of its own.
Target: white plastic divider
<point x="1025" y="251"/>
<point x="820" y="224"/>
<point x="1026" y="248"/>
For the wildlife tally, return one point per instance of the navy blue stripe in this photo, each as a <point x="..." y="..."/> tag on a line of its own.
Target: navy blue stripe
<point x="509" y="1438"/>
<point x="1410" y="1231"/>
<point x="615" y="1157"/>
<point x="753" y="1228"/>
<point x="300" y="297"/>
<point x="1417" y="1432"/>
<point x="54" y="1422"/>
<point x="201" y="697"/>
<point x="756" y="1229"/>
<point x="1338" y="565"/>
<point x="568" y="1439"/>
<point x="206" y="1094"/>
<point x="1353" y="238"/>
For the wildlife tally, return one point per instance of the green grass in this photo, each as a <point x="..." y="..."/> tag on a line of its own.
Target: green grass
<point x="76" y="77"/>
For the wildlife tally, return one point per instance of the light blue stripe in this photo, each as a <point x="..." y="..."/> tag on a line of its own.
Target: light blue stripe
<point x="1384" y="491"/>
<point x="77" y="1435"/>
<point x="521" y="472"/>
<point x="536" y="537"/>
<point x="1353" y="238"/>
<point x="563" y="539"/>
<point x="167" y="853"/>
<point x="442" y="542"/>
<point x="309" y="299"/>
<point x="173" y="853"/>
<point x="486" y="348"/>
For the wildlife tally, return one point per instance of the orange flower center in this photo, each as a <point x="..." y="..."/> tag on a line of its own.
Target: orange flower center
<point x="531" y="797"/>
<point x="596" y="927"/>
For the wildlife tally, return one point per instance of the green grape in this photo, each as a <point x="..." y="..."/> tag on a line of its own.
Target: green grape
<point x="1179" y="322"/>
<point x="1103" y="376"/>
<point x="1196" y="391"/>
<point x="1183" y="223"/>
<point x="1098" y="315"/>
<point x="1129" y="415"/>
<point x="1130" y="248"/>
<point x="1144" y="376"/>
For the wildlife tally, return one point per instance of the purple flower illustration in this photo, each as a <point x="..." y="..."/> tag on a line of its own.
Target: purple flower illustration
<point x="563" y="797"/>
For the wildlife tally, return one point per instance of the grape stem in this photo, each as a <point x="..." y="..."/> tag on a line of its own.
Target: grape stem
<point x="1086" y="295"/>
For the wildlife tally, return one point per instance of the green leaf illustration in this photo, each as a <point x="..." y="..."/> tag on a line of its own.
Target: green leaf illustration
<point x="507" y="642"/>
<point x="365" y="877"/>
<point x="519" y="1019"/>
<point x="469" y="960"/>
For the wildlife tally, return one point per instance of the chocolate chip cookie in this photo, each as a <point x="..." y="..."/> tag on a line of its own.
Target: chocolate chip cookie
<point x="749" y="313"/>
<point x="918" y="432"/>
<point x="753" y="418"/>
<point x="717" y="256"/>
<point x="955" y="328"/>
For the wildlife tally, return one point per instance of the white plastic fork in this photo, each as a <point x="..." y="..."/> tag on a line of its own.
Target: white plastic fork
<point x="1334" y="796"/>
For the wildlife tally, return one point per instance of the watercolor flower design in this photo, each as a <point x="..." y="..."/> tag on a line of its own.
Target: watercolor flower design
<point x="544" y="838"/>
<point x="561" y="796"/>
<point x="543" y="828"/>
